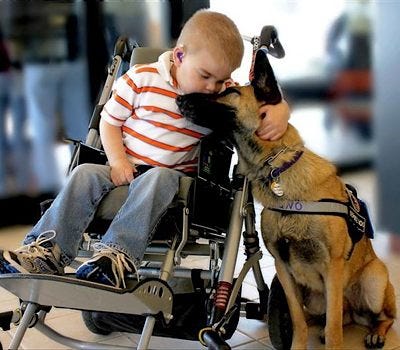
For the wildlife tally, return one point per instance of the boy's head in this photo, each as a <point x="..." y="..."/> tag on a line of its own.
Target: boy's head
<point x="208" y="50"/>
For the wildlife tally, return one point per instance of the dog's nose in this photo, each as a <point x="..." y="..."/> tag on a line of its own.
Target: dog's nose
<point x="180" y="101"/>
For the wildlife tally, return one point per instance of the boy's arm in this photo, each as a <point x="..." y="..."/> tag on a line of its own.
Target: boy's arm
<point x="274" y="117"/>
<point x="122" y="171"/>
<point x="274" y="122"/>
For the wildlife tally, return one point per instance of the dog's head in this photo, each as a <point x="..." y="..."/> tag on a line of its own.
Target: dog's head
<point x="237" y="107"/>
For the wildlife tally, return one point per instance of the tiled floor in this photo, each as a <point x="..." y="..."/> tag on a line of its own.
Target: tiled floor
<point x="250" y="334"/>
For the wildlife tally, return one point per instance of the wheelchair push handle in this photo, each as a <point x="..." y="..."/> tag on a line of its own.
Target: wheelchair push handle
<point x="122" y="52"/>
<point x="270" y="41"/>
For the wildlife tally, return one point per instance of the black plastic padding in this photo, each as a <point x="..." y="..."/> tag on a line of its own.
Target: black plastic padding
<point x="214" y="341"/>
<point x="120" y="45"/>
<point x="123" y="47"/>
<point x="95" y="119"/>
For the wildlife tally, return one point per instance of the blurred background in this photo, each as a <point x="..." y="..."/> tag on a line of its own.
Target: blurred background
<point x="339" y="75"/>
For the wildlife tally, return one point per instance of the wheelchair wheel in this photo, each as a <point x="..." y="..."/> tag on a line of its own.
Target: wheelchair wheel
<point x="279" y="323"/>
<point x="91" y="325"/>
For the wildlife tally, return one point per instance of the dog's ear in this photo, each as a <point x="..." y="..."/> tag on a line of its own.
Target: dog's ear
<point x="204" y="110"/>
<point x="264" y="83"/>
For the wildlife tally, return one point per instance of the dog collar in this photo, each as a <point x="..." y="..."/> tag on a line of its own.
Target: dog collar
<point x="276" y="172"/>
<point x="273" y="177"/>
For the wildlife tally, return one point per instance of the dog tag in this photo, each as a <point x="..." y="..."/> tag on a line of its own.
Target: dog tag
<point x="276" y="189"/>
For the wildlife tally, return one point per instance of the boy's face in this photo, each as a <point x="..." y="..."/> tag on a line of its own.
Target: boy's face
<point x="199" y="72"/>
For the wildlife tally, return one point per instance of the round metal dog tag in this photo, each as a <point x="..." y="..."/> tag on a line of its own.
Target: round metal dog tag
<point x="276" y="189"/>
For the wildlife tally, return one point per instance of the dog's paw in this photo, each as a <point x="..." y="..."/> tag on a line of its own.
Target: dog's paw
<point x="374" y="341"/>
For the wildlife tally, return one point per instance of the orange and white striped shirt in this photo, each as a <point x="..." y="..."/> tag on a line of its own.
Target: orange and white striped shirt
<point x="153" y="130"/>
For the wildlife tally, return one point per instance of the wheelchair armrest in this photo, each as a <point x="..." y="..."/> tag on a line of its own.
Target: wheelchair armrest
<point x="186" y="188"/>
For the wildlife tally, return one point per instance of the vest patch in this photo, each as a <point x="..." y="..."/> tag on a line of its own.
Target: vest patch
<point x="358" y="220"/>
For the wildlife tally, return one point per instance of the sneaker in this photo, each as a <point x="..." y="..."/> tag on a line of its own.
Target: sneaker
<point x="108" y="266"/>
<point x="41" y="256"/>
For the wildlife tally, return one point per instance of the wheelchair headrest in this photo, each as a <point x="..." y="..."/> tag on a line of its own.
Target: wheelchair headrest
<point x="142" y="55"/>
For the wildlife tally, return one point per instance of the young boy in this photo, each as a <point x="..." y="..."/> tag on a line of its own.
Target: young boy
<point x="141" y="126"/>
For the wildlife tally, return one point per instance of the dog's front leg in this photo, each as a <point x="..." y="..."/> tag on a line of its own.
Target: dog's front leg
<point x="295" y="303"/>
<point x="334" y="304"/>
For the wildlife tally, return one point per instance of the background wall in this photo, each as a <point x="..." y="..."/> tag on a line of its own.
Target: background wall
<point x="386" y="111"/>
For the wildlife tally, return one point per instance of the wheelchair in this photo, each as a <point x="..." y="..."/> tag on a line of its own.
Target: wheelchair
<point x="165" y="298"/>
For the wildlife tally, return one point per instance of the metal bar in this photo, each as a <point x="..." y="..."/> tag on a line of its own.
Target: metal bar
<point x="74" y="343"/>
<point x="146" y="333"/>
<point x="232" y="240"/>
<point x="178" y="272"/>
<point x="23" y="326"/>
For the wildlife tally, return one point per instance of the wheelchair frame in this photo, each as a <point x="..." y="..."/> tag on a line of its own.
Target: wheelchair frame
<point x="152" y="296"/>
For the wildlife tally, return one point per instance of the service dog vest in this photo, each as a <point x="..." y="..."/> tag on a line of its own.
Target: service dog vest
<point x="354" y="211"/>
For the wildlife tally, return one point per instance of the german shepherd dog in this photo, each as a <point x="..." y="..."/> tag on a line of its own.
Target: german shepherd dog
<point x="324" y="269"/>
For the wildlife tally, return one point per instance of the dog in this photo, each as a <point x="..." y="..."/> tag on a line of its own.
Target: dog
<point x="307" y="219"/>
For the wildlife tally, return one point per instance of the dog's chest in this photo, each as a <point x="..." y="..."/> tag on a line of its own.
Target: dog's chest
<point x="304" y="259"/>
<point x="307" y="251"/>
<point x="299" y="242"/>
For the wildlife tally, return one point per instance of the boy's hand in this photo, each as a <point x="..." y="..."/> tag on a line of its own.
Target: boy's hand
<point x="274" y="122"/>
<point x="122" y="172"/>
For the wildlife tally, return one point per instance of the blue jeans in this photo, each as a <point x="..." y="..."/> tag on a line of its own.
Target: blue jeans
<point x="73" y="209"/>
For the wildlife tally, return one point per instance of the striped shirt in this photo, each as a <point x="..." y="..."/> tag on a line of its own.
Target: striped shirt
<point x="153" y="130"/>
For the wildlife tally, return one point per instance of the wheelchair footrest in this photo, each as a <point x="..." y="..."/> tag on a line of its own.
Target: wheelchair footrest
<point x="148" y="297"/>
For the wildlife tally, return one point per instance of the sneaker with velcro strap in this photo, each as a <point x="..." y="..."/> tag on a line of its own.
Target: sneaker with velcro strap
<point x="108" y="266"/>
